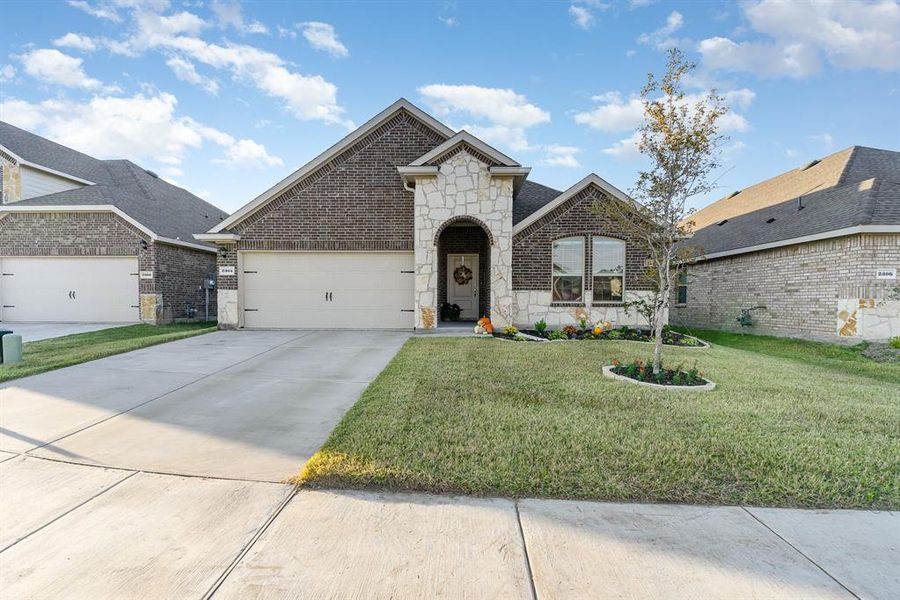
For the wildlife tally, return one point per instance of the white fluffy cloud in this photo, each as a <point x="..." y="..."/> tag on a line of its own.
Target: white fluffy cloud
<point x="613" y="113"/>
<point x="504" y="114"/>
<point x="100" y="11"/>
<point x="797" y="35"/>
<point x="581" y="16"/>
<point x="322" y="36"/>
<point x="624" y="148"/>
<point x="561" y="156"/>
<point x="7" y="72"/>
<point x="662" y="37"/>
<point x="52" y="66"/>
<point x="76" y="42"/>
<point x="230" y="14"/>
<point x="307" y="97"/>
<point x="186" y="71"/>
<point x="142" y="127"/>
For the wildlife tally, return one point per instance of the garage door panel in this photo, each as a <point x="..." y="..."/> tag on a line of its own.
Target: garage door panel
<point x="367" y="290"/>
<point x="69" y="289"/>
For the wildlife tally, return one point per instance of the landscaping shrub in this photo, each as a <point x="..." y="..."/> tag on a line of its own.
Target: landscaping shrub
<point x="639" y="371"/>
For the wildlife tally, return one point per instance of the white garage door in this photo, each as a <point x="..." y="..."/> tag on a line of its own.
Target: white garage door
<point x="328" y="289"/>
<point x="103" y="290"/>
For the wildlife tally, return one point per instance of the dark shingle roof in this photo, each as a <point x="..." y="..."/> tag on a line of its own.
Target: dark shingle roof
<point x="167" y="210"/>
<point x="870" y="202"/>
<point x="531" y="198"/>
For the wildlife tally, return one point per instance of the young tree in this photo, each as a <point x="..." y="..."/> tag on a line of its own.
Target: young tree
<point x="681" y="141"/>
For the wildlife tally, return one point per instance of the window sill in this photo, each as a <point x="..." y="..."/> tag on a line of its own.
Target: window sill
<point x="610" y="303"/>
<point x="567" y="304"/>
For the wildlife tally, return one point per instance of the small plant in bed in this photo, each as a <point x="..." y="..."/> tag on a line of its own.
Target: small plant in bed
<point x="640" y="371"/>
<point x="540" y="330"/>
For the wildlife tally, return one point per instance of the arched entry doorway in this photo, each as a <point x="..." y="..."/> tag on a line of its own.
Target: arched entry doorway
<point x="464" y="267"/>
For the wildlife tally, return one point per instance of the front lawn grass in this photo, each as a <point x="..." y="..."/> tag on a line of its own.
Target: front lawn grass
<point x="55" y="353"/>
<point x="789" y="424"/>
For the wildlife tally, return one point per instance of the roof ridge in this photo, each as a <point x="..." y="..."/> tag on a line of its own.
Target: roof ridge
<point x="854" y="152"/>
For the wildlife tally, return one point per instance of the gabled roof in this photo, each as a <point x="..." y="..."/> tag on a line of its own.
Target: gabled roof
<point x="464" y="137"/>
<point x="532" y="197"/>
<point x="312" y="166"/>
<point x="870" y="205"/>
<point x="165" y="210"/>
<point x="850" y="165"/>
<point x="40" y="152"/>
<point x="592" y="179"/>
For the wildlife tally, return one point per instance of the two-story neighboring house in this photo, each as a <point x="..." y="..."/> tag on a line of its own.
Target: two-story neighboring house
<point x="83" y="239"/>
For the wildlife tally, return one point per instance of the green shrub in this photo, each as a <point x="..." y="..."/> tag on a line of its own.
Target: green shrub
<point x="558" y="334"/>
<point x="541" y="326"/>
<point x="894" y="342"/>
<point x="511" y="330"/>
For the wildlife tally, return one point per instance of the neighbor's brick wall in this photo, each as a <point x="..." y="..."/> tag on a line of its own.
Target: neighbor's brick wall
<point x="799" y="285"/>
<point x="466" y="240"/>
<point x="179" y="274"/>
<point x="533" y="246"/>
<point x="354" y="202"/>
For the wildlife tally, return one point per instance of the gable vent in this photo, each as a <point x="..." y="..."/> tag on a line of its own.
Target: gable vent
<point x="811" y="163"/>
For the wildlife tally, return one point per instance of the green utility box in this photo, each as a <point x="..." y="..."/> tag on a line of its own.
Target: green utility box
<point x="3" y="332"/>
<point x="12" y="348"/>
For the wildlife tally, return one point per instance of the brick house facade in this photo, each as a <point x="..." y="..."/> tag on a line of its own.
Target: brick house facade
<point x="404" y="183"/>
<point x="60" y="204"/>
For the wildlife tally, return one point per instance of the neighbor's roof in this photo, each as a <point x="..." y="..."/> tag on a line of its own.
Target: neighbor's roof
<point x="167" y="210"/>
<point x="851" y="165"/>
<point x="873" y="203"/>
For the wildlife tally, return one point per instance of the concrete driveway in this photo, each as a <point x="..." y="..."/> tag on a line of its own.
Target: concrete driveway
<point x="32" y="332"/>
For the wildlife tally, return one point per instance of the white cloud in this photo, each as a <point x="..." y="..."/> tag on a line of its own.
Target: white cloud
<point x="764" y="59"/>
<point x="99" y="11"/>
<point x="662" y="37"/>
<point x="186" y="71"/>
<point x="624" y="148"/>
<point x="247" y="153"/>
<point x="322" y="36"/>
<point x="7" y="72"/>
<point x="632" y="4"/>
<point x="141" y="127"/>
<point x="561" y="156"/>
<point x="507" y="113"/>
<point x="797" y="35"/>
<point x="307" y="97"/>
<point x="615" y="114"/>
<point x="76" y="42"/>
<point x="449" y="21"/>
<point x="790" y="152"/>
<point x="52" y="66"/>
<point x="583" y="17"/>
<point x="230" y="14"/>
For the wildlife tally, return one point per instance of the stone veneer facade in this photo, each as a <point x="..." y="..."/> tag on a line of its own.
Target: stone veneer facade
<point x="463" y="190"/>
<point x="178" y="272"/>
<point x="819" y="290"/>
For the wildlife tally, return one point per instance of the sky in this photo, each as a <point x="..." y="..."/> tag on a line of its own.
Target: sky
<point x="225" y="98"/>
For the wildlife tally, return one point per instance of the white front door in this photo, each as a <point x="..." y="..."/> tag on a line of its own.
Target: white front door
<point x="462" y="283"/>
<point x="330" y="290"/>
<point x="102" y="289"/>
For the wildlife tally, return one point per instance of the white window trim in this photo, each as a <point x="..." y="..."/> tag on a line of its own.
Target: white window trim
<point x="581" y="302"/>
<point x="608" y="273"/>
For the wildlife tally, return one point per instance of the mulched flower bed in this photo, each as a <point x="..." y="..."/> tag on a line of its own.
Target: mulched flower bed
<point x="637" y="371"/>
<point x="670" y="338"/>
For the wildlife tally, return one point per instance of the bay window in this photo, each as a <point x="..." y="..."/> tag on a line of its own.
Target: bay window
<point x="568" y="270"/>
<point x="608" y="256"/>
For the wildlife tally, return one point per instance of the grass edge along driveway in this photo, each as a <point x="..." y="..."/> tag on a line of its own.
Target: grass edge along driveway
<point x="55" y="353"/>
<point x="799" y="428"/>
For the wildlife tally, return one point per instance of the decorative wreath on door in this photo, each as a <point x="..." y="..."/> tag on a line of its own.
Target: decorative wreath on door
<point x="462" y="275"/>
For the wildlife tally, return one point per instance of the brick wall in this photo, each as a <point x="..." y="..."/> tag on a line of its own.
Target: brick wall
<point x="533" y="246"/>
<point x="354" y="202"/>
<point x="466" y="240"/>
<point x="799" y="285"/>
<point x="179" y="278"/>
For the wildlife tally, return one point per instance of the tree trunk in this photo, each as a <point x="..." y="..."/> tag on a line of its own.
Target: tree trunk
<point x="662" y="303"/>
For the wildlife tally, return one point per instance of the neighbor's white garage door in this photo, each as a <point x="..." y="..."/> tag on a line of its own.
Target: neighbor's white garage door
<point x="70" y="289"/>
<point x="328" y="289"/>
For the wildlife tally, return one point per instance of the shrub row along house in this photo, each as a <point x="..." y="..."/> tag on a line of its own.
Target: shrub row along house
<point x="404" y="215"/>
<point x="83" y="239"/>
<point x="814" y="252"/>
